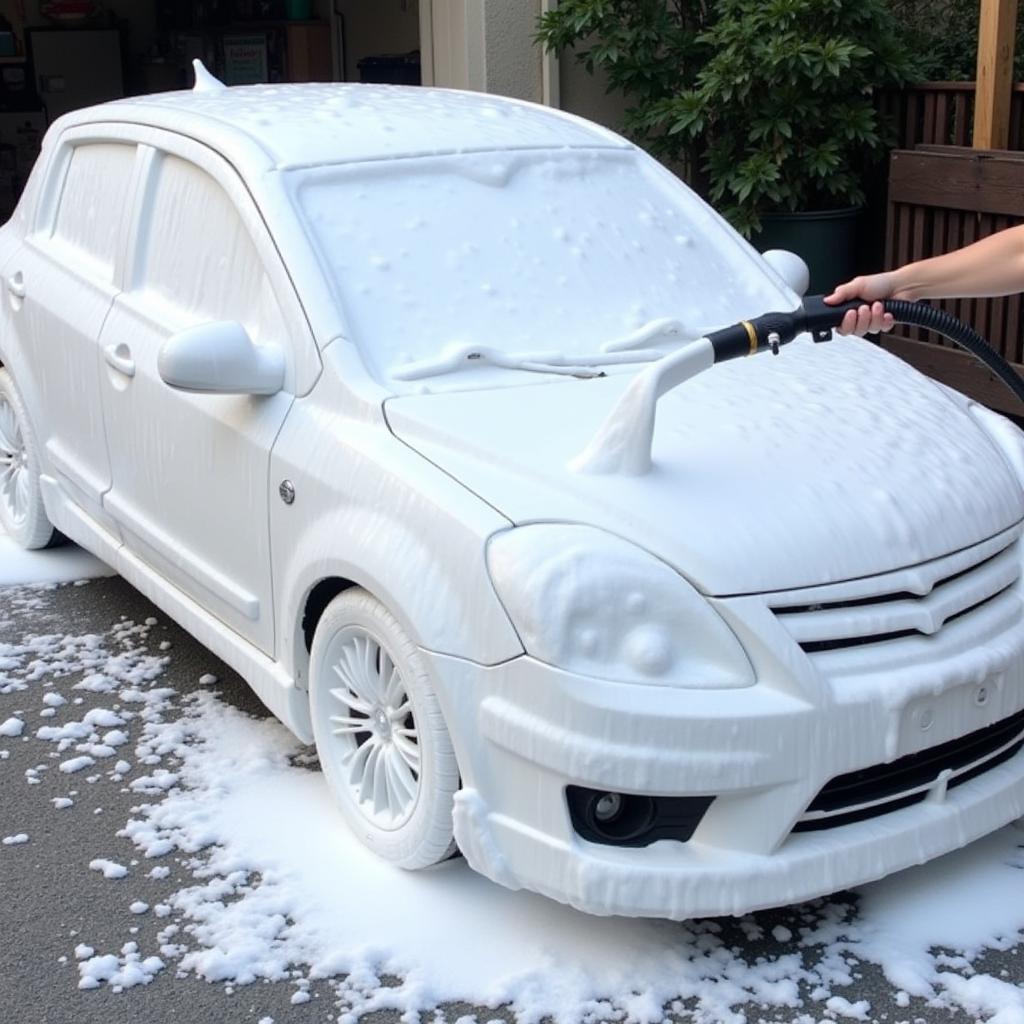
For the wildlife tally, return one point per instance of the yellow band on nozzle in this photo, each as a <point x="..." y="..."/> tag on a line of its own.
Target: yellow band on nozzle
<point x="751" y="334"/>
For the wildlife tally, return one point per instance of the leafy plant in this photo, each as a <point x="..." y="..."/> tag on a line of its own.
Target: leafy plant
<point x="773" y="97"/>
<point x="785" y="106"/>
<point x="946" y="46"/>
<point x="648" y="49"/>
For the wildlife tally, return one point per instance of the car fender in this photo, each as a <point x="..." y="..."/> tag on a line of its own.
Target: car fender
<point x="365" y="509"/>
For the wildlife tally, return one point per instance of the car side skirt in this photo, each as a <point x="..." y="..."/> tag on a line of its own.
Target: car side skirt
<point x="274" y="687"/>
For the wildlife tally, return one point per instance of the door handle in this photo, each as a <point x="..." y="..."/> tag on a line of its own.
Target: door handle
<point x="16" y="285"/>
<point x="119" y="356"/>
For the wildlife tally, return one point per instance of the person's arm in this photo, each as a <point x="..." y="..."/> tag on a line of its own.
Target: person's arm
<point x="993" y="266"/>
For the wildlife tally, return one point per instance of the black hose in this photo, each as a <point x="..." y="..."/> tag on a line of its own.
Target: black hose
<point x="917" y="314"/>
<point x="817" y="317"/>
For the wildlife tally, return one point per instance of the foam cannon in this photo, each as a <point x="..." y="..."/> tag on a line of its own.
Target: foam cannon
<point x="623" y="443"/>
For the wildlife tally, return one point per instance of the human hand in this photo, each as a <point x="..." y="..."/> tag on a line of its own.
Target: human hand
<point x="871" y="316"/>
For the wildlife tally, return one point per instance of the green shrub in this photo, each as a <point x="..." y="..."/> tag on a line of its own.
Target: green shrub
<point x="648" y="49"/>
<point x="774" y="97"/>
<point x="785" y="106"/>
<point x="944" y="39"/>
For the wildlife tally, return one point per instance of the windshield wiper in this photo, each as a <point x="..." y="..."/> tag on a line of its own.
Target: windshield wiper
<point x="648" y="331"/>
<point x="458" y="357"/>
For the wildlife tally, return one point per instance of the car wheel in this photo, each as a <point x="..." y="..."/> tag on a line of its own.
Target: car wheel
<point x="22" y="514"/>
<point x="381" y="738"/>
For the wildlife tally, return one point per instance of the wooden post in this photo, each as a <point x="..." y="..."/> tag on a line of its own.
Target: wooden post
<point x="996" y="32"/>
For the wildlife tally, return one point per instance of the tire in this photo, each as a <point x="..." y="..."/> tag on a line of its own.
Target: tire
<point x="380" y="735"/>
<point x="22" y="514"/>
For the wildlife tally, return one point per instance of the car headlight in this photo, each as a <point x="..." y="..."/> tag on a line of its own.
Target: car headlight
<point x="591" y="603"/>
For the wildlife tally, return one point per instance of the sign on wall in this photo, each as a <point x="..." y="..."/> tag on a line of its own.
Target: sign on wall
<point x="245" y="59"/>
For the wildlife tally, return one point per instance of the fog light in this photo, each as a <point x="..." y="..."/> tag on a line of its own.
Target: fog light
<point x="624" y="819"/>
<point x="615" y="818"/>
<point x="607" y="807"/>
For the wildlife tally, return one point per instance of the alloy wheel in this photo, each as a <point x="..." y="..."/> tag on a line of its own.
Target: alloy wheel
<point x="14" y="468"/>
<point x="374" y="736"/>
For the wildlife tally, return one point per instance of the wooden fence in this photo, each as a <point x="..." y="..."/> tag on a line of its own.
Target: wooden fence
<point x="942" y="114"/>
<point x="941" y="198"/>
<point x="943" y="195"/>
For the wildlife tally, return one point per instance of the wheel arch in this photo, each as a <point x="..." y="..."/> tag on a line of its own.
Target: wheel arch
<point x="317" y="594"/>
<point x="321" y="594"/>
<point x="443" y="599"/>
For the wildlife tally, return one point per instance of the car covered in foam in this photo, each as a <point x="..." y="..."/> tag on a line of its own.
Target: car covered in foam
<point x="332" y="374"/>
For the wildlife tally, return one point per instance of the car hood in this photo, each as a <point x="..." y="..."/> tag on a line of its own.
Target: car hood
<point x="828" y="463"/>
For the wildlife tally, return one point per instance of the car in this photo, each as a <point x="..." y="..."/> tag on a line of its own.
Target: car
<point x="358" y="384"/>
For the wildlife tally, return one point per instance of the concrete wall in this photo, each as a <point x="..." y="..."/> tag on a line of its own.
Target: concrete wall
<point x="512" y="60"/>
<point x="584" y="94"/>
<point x="487" y="45"/>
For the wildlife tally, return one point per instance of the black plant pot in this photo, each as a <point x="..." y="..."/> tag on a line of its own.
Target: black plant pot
<point x="826" y="240"/>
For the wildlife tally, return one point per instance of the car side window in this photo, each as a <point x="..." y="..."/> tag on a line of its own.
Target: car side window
<point x="87" y="224"/>
<point x="197" y="259"/>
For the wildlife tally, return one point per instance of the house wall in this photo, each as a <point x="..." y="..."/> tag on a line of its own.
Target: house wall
<point x="512" y="59"/>
<point x="449" y="55"/>
<point x="585" y="94"/>
<point x="487" y="45"/>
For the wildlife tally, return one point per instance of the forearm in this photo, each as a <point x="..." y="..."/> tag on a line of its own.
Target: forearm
<point x="993" y="266"/>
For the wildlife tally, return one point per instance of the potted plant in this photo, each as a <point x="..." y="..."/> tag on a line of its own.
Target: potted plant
<point x="780" y="113"/>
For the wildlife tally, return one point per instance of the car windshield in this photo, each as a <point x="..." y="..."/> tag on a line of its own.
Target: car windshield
<point x="554" y="252"/>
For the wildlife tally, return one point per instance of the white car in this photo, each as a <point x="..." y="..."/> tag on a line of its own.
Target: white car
<point x="350" y="381"/>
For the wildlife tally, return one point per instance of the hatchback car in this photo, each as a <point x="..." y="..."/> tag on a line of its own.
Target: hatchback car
<point x="334" y="374"/>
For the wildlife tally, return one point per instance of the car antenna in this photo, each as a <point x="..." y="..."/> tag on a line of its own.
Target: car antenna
<point x="205" y="82"/>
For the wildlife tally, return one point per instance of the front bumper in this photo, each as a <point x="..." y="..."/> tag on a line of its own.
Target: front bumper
<point x="664" y="881"/>
<point x="524" y="731"/>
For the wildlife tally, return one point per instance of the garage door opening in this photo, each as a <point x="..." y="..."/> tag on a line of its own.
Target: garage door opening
<point x="61" y="55"/>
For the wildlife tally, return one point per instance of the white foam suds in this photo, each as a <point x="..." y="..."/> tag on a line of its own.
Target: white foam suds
<point x="52" y="565"/>
<point x="274" y="884"/>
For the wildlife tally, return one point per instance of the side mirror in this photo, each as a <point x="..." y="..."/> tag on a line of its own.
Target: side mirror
<point x="791" y="268"/>
<point x="220" y="358"/>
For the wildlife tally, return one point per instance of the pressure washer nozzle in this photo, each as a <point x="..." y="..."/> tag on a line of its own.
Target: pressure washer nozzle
<point x="770" y="331"/>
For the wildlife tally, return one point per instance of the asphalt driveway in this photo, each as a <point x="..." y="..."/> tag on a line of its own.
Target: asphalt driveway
<point x="52" y="903"/>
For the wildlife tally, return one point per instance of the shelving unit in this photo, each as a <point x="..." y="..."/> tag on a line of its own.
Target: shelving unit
<point x="282" y="51"/>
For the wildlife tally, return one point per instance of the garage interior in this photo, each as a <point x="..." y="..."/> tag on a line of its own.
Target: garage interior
<point x="60" y="55"/>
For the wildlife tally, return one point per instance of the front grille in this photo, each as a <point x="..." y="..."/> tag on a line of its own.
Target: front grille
<point x="870" y="792"/>
<point x="919" y="601"/>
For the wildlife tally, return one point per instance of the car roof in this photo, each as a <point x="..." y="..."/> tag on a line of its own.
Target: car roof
<point x="314" y="125"/>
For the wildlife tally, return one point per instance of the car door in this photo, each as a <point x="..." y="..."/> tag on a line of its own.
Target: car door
<point x="190" y="471"/>
<point x="61" y="286"/>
